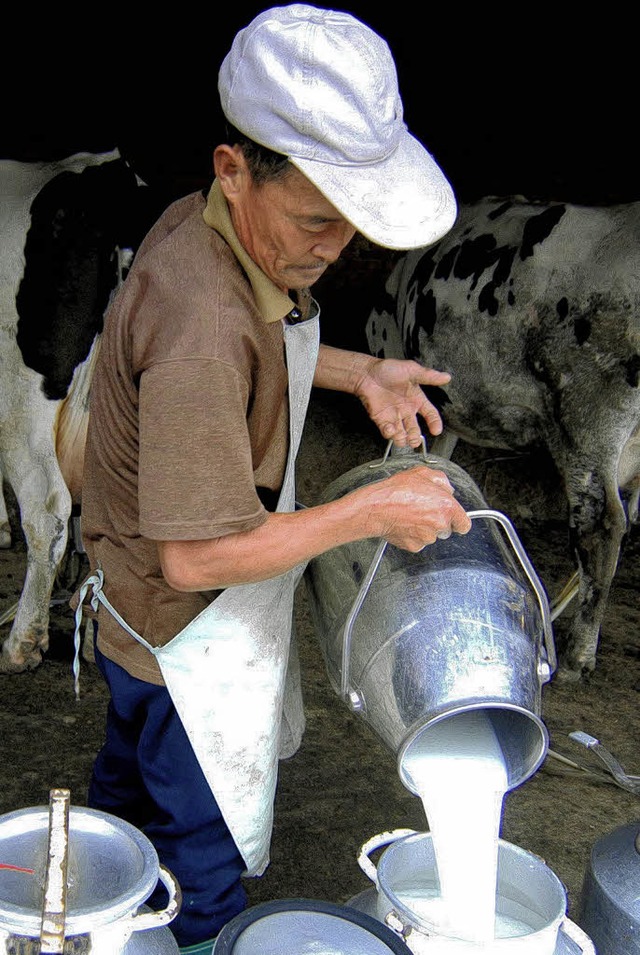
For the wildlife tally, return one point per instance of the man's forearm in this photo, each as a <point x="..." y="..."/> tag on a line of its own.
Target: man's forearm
<point x="282" y="542"/>
<point x="409" y="509"/>
<point x="340" y="370"/>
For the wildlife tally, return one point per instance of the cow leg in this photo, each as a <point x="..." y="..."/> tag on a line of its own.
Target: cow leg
<point x="45" y="509"/>
<point x="5" y="526"/>
<point x="629" y="475"/>
<point x="598" y="524"/>
<point x="443" y="445"/>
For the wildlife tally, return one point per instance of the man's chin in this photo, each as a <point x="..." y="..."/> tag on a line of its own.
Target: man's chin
<point x="304" y="278"/>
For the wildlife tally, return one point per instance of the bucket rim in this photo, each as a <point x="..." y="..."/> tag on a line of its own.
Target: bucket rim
<point x="232" y="931"/>
<point x="405" y="912"/>
<point x="487" y="703"/>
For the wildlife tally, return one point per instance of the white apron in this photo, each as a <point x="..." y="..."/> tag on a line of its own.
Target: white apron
<point x="230" y="673"/>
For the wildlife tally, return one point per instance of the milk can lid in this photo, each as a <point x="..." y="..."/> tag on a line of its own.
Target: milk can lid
<point x="615" y="868"/>
<point x="112" y="868"/>
<point x="300" y="925"/>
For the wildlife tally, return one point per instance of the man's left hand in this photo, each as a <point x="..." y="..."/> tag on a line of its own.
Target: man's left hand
<point x="391" y="392"/>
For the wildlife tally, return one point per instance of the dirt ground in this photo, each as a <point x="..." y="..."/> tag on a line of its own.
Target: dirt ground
<point x="342" y="786"/>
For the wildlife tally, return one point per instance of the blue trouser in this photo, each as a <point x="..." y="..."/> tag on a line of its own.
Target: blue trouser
<point x="148" y="774"/>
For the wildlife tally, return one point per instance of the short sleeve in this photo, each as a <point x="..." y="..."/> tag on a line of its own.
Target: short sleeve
<point x="196" y="477"/>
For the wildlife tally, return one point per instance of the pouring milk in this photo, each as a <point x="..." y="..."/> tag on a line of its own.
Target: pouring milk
<point x="459" y="772"/>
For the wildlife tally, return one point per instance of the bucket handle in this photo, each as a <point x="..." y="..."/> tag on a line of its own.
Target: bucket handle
<point x="533" y="578"/>
<point x="376" y="842"/>
<point x="348" y="695"/>
<point x="145" y="920"/>
<point x="575" y="934"/>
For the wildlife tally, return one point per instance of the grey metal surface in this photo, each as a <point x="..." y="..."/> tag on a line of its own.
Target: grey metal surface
<point x="610" y="910"/>
<point x="307" y="927"/>
<point x="305" y="932"/>
<point x="153" y="941"/>
<point x="457" y="626"/>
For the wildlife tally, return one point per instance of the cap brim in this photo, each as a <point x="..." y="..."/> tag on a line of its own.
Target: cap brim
<point x="403" y="202"/>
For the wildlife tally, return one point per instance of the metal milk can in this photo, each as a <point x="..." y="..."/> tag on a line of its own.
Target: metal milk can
<point x="411" y="639"/>
<point x="527" y="891"/>
<point x="610" y="909"/>
<point x="85" y="880"/>
<point x="306" y="927"/>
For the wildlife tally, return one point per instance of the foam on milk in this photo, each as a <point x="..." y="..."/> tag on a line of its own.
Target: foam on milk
<point x="458" y="770"/>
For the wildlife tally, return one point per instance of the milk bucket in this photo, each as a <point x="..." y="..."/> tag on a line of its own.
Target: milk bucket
<point x="530" y="900"/>
<point x="411" y="639"/>
<point x="306" y="927"/>
<point x="112" y="868"/>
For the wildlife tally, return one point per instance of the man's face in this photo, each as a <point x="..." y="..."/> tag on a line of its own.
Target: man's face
<point x="288" y="228"/>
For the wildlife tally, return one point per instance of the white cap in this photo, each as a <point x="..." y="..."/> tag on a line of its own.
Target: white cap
<point x="320" y="87"/>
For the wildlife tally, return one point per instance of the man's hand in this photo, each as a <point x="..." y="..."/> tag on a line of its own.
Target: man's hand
<point x="413" y="508"/>
<point x="390" y="391"/>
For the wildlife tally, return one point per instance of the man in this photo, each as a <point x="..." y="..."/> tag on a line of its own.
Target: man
<point x="207" y="359"/>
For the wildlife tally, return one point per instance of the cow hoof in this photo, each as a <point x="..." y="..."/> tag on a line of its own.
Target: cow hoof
<point x="573" y="669"/>
<point x="566" y="674"/>
<point x="18" y="663"/>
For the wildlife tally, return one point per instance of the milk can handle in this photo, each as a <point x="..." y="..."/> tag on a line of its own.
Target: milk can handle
<point x="146" y="920"/>
<point x="576" y="935"/>
<point x="375" y="842"/>
<point x="348" y="627"/>
<point x="534" y="580"/>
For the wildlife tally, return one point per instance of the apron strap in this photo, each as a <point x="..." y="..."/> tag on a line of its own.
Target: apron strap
<point x="96" y="582"/>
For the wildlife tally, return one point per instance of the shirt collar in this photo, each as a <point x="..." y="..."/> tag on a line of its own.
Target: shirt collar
<point x="272" y="302"/>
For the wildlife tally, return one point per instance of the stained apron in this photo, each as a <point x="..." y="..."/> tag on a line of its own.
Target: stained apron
<point x="232" y="672"/>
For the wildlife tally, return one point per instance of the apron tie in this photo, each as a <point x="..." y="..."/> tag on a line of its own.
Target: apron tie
<point x="96" y="582"/>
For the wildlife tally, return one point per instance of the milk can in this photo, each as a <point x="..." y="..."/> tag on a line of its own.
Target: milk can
<point x="306" y="927"/>
<point x="531" y="901"/>
<point x="411" y="639"/>
<point x="610" y="909"/>
<point x="111" y="868"/>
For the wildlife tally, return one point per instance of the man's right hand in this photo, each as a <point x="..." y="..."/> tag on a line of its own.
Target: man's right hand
<point x="414" y="508"/>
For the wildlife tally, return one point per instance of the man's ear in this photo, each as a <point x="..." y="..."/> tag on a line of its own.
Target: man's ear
<point x="231" y="170"/>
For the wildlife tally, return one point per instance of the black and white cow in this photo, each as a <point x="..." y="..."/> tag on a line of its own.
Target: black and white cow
<point x="64" y="229"/>
<point x="534" y="308"/>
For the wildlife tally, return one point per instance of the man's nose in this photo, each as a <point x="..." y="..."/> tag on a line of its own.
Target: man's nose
<point x="329" y="246"/>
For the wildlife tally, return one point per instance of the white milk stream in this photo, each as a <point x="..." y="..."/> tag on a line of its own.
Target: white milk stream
<point x="459" y="772"/>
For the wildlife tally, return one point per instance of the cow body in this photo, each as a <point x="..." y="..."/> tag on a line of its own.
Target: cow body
<point x="62" y="225"/>
<point x="535" y="310"/>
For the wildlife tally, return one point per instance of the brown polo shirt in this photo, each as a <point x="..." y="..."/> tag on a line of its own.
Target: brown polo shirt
<point x="188" y="430"/>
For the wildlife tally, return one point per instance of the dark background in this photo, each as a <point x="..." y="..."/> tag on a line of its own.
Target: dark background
<point x="543" y="104"/>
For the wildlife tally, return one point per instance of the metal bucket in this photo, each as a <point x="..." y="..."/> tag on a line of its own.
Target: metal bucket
<point x="411" y="639"/>
<point x="610" y="910"/>
<point x="306" y="927"/>
<point x="112" y="868"/>
<point x="527" y="892"/>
